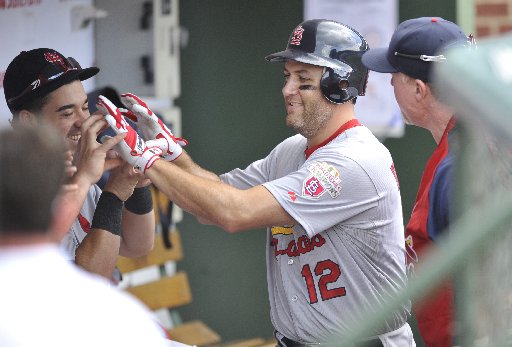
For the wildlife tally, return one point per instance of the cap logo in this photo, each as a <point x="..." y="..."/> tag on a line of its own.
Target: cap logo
<point x="54" y="58"/>
<point x="297" y="36"/>
<point x="35" y="84"/>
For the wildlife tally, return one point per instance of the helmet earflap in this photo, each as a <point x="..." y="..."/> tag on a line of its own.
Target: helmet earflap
<point x="331" y="86"/>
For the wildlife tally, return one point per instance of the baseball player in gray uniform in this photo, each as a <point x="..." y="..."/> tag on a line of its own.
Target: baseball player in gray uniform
<point x="42" y="86"/>
<point x="329" y="196"/>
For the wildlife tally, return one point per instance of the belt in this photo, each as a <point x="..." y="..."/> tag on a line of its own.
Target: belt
<point x="286" y="342"/>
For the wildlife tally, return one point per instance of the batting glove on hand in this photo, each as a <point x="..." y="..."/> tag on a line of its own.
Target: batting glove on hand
<point x="132" y="148"/>
<point x="154" y="131"/>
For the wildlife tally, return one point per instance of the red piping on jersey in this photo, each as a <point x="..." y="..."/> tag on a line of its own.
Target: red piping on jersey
<point x="84" y="223"/>
<point x="350" y="124"/>
<point x="418" y="222"/>
<point x="435" y="312"/>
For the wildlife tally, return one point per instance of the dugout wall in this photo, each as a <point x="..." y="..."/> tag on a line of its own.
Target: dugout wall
<point x="233" y="114"/>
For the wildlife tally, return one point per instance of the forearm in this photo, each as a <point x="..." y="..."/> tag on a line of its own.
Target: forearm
<point x="69" y="204"/>
<point x="186" y="163"/>
<point x="98" y="252"/>
<point x="217" y="202"/>
<point x="99" y="249"/>
<point x="138" y="234"/>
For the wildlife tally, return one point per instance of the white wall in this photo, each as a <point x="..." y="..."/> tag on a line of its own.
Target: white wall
<point x="28" y="24"/>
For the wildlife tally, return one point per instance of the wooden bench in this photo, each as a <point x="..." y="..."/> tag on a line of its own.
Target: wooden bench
<point x="154" y="280"/>
<point x="150" y="279"/>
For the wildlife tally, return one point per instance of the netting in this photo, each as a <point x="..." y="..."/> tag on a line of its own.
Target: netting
<point x="481" y="90"/>
<point x="484" y="290"/>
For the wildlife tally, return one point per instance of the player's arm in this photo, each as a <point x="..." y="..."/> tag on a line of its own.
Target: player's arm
<point x="98" y="251"/>
<point x="223" y="205"/>
<point x="230" y="208"/>
<point x="137" y="221"/>
<point x="155" y="130"/>
<point x="69" y="202"/>
<point x="185" y="162"/>
<point x="138" y="234"/>
<point x="84" y="171"/>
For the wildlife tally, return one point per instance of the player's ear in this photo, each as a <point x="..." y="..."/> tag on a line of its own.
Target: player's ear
<point x="422" y="89"/>
<point x="26" y="117"/>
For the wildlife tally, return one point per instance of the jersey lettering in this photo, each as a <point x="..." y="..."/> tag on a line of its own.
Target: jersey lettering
<point x="329" y="272"/>
<point x="295" y="248"/>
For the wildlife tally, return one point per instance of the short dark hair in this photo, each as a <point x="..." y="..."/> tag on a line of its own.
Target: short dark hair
<point x="31" y="175"/>
<point x="33" y="106"/>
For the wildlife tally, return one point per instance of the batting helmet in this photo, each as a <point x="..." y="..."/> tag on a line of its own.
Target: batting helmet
<point x="336" y="47"/>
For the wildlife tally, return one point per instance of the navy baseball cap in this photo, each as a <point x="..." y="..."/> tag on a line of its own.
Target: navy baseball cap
<point x="415" y="45"/>
<point x="37" y="73"/>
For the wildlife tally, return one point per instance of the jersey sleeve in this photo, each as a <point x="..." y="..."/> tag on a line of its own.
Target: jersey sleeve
<point x="96" y="193"/>
<point x="325" y="192"/>
<point x="255" y="174"/>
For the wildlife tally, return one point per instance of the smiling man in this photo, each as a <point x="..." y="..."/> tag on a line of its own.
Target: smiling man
<point x="328" y="196"/>
<point x="42" y="86"/>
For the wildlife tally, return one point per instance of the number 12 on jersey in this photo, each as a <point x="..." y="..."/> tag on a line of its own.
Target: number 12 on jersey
<point x="329" y="272"/>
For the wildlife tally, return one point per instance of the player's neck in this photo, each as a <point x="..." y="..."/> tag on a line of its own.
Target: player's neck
<point x="439" y="116"/>
<point x="341" y="115"/>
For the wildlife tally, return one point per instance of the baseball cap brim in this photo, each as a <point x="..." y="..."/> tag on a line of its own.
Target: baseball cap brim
<point x="376" y="59"/>
<point x="68" y="76"/>
<point x="65" y="78"/>
<point x="87" y="73"/>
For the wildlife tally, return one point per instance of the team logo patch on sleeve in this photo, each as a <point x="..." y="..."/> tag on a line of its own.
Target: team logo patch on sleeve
<point x="323" y="178"/>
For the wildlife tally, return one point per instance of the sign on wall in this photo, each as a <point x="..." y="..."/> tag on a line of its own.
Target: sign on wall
<point x="376" y="20"/>
<point x="29" y="24"/>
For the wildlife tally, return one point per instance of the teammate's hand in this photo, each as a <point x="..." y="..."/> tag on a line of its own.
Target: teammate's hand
<point x="69" y="168"/>
<point x="90" y="157"/>
<point x="132" y="148"/>
<point x="154" y="131"/>
<point x="122" y="181"/>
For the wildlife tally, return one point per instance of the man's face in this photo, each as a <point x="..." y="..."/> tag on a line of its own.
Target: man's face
<point x="403" y="87"/>
<point x="306" y="107"/>
<point x="66" y="109"/>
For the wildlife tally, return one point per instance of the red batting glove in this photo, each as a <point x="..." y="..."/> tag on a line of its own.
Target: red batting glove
<point x="154" y="131"/>
<point x="132" y="148"/>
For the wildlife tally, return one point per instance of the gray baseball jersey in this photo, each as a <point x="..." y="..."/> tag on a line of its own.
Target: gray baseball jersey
<point x="347" y="252"/>
<point x="82" y="223"/>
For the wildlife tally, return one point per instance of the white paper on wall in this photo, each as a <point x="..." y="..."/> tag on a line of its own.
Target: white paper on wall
<point x="29" y="24"/>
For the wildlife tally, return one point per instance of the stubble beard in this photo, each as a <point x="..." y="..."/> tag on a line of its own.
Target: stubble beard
<point x="314" y="118"/>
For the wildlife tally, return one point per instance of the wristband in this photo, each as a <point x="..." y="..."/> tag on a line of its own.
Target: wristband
<point x="108" y="213"/>
<point x="140" y="202"/>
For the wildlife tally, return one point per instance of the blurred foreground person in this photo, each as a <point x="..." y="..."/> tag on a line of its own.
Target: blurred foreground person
<point x="45" y="300"/>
